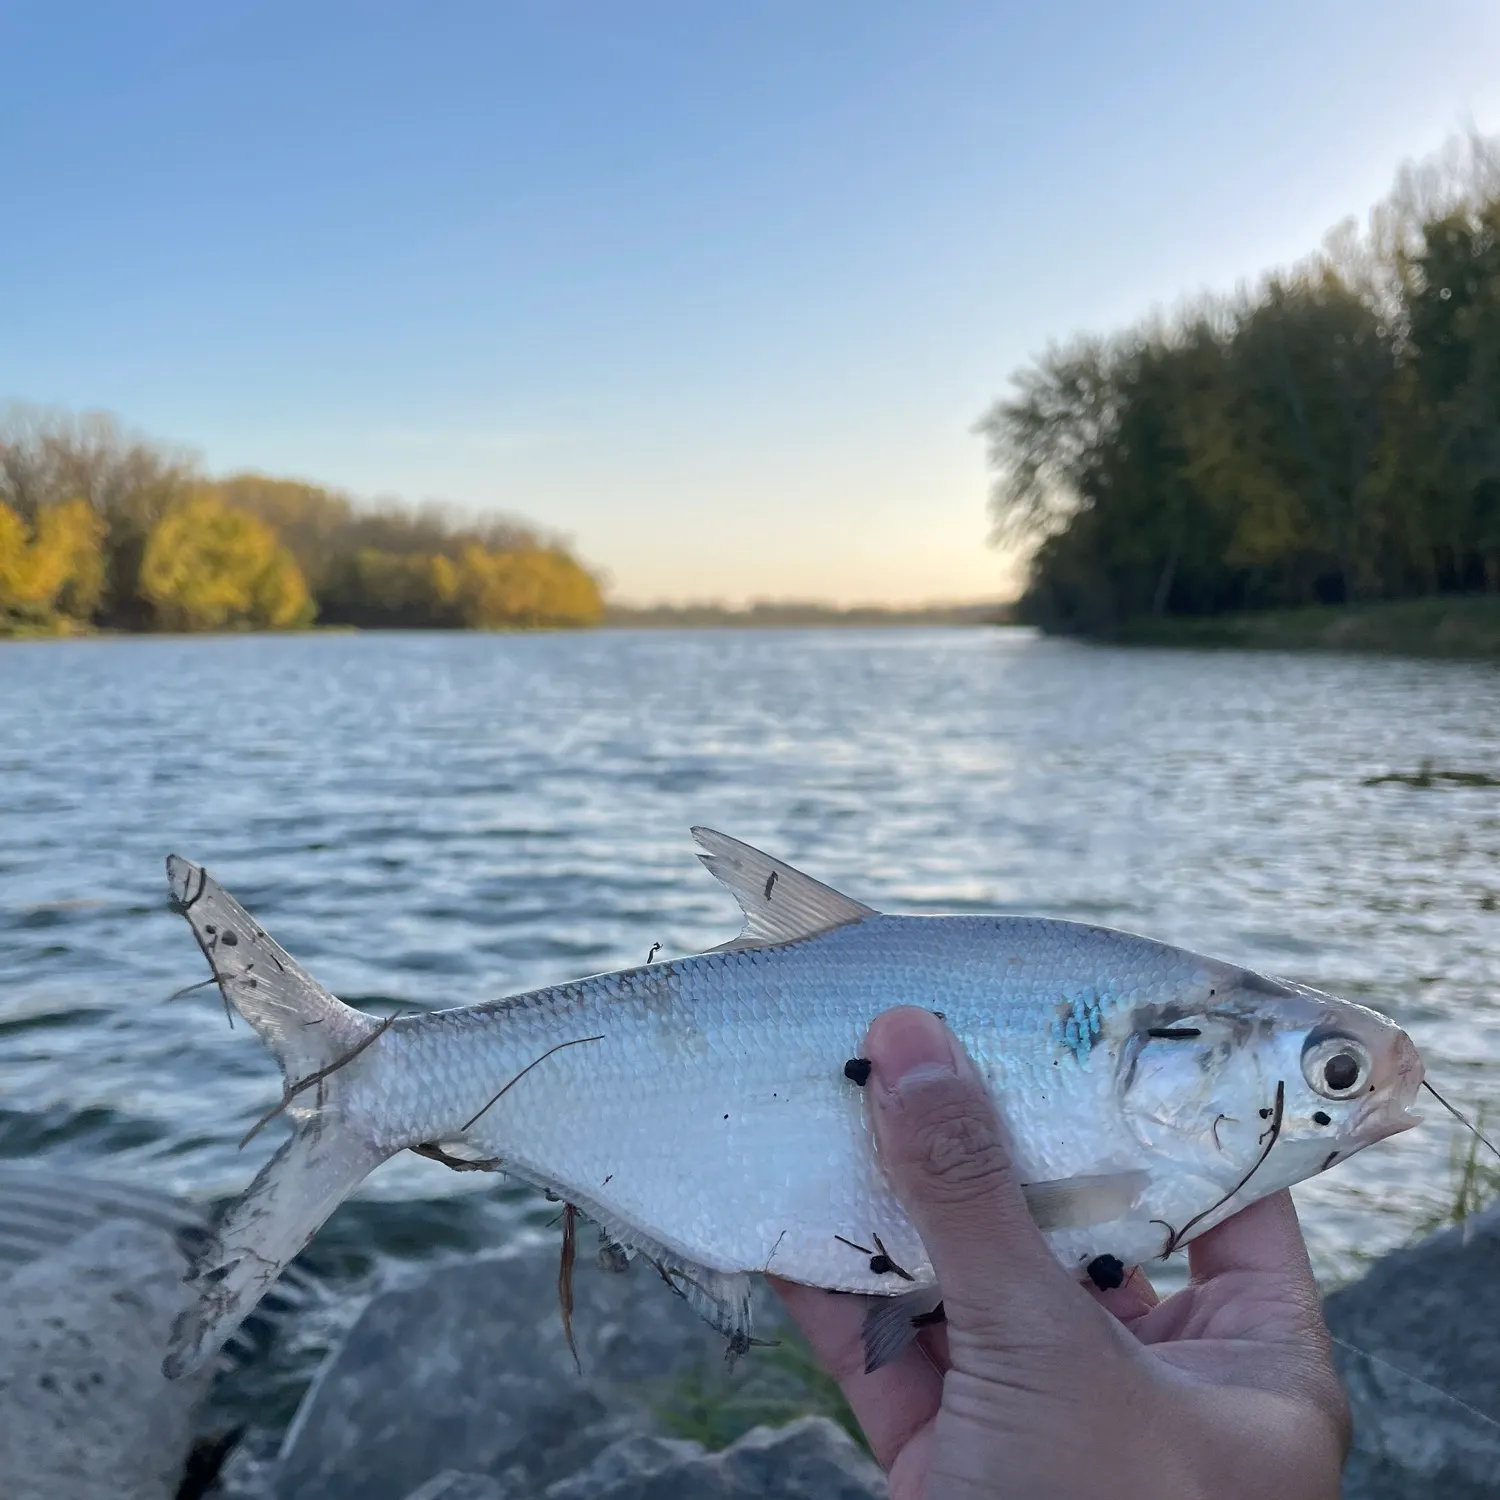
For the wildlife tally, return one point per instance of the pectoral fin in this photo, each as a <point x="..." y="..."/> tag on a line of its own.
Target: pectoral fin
<point x="892" y="1323"/>
<point x="1082" y="1202"/>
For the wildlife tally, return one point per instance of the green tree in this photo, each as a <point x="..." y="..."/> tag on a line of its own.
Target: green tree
<point x="1451" y="459"/>
<point x="1332" y="436"/>
<point x="375" y="588"/>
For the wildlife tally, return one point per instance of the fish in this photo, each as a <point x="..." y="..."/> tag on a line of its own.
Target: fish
<point x="708" y="1112"/>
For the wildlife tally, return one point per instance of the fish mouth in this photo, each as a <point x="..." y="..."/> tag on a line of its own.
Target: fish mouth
<point x="1397" y="1080"/>
<point x="1383" y="1118"/>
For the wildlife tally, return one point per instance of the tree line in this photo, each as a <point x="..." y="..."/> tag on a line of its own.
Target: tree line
<point x="1330" y="436"/>
<point x="102" y="529"/>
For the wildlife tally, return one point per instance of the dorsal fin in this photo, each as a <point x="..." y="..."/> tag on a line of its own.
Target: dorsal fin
<point x="781" y="905"/>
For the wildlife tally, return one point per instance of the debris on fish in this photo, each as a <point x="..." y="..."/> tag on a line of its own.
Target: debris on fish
<point x="708" y="1114"/>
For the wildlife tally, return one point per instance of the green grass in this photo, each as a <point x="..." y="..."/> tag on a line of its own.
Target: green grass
<point x="1474" y="1183"/>
<point x="771" y="1387"/>
<point x="1449" y="626"/>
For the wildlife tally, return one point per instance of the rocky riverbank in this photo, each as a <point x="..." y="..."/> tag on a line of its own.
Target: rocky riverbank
<point x="458" y="1384"/>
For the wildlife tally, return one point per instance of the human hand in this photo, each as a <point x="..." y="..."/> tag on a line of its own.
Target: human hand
<point x="1039" y="1388"/>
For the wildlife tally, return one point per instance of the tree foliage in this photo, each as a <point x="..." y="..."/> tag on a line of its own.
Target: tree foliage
<point x="541" y="586"/>
<point x="100" y="527"/>
<point x="52" y="567"/>
<point x="1333" y="436"/>
<point x="209" y="567"/>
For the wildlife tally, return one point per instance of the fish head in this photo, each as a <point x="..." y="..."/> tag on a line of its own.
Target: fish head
<point x="1264" y="1084"/>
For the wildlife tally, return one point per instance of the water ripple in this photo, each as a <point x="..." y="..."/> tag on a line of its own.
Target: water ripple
<point x="440" y="819"/>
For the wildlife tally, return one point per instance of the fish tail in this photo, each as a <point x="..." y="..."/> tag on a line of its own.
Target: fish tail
<point x="324" y="1048"/>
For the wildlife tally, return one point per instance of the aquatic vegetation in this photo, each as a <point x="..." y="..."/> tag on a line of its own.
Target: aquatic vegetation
<point x="1427" y="776"/>
<point x="709" y="1405"/>
<point x="1473" y="1183"/>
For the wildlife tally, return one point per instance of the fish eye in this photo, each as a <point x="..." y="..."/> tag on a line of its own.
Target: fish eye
<point x="1336" y="1067"/>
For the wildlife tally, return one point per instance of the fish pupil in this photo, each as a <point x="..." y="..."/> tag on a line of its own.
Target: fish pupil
<point x="1341" y="1071"/>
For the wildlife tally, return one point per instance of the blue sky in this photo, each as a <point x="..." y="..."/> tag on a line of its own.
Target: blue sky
<point x="717" y="290"/>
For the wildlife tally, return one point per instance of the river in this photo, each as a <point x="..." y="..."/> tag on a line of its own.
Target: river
<point x="430" y="820"/>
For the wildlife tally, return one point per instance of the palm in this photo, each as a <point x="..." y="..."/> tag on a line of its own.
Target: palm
<point x="1248" y="1324"/>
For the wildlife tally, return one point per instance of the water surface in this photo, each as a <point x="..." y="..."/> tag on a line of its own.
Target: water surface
<point x="432" y="820"/>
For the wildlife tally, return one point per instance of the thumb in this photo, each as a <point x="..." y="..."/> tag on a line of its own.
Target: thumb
<point x="948" y="1158"/>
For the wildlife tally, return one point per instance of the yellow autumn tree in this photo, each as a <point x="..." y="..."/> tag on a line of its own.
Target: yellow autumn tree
<point x="209" y="567"/>
<point x="54" y="570"/>
<point x="537" y="586"/>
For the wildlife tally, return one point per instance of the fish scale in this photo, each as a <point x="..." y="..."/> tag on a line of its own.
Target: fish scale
<point x="699" y="1108"/>
<point x="741" y="1055"/>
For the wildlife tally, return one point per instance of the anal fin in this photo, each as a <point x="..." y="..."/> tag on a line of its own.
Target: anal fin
<point x="720" y="1298"/>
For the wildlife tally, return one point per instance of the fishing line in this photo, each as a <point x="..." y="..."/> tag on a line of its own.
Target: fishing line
<point x="575" y="1042"/>
<point x="1176" y="1236"/>
<point x="1426" y="1385"/>
<point x="188" y="989"/>
<point x="203" y="984"/>
<point x="1461" y="1118"/>
<point x="306" y="1083"/>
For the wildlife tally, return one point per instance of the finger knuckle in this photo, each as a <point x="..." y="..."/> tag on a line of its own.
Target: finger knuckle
<point x="956" y="1148"/>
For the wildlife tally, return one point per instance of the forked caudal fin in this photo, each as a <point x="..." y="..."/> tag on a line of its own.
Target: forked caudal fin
<point x="316" y="1038"/>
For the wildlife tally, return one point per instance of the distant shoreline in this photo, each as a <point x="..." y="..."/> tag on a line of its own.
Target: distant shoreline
<point x="690" y="617"/>
<point x="1455" y="626"/>
<point x="764" y="616"/>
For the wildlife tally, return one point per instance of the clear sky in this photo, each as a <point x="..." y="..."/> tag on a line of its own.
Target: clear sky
<point x="715" y="289"/>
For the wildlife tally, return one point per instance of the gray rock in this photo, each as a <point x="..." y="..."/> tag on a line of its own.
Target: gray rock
<point x="467" y="1369"/>
<point x="630" y="1467"/>
<point x="85" y="1411"/>
<point x="810" y="1459"/>
<point x="451" y="1485"/>
<point x="1419" y="1351"/>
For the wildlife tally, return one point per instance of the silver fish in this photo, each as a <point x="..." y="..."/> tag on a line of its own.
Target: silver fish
<point x="706" y="1112"/>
